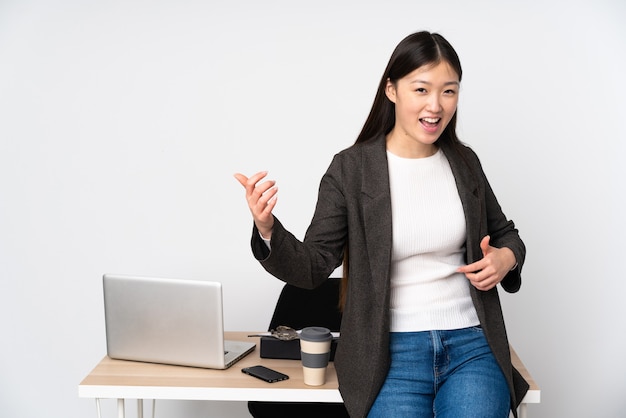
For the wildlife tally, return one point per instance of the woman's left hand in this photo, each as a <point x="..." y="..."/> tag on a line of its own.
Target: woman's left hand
<point x="487" y="272"/>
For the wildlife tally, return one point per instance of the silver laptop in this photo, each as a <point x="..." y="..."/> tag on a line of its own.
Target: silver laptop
<point x="169" y="321"/>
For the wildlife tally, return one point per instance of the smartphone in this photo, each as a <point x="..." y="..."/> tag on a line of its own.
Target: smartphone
<point x="264" y="373"/>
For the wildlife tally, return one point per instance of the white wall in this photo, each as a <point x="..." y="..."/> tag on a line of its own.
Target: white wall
<point x="122" y="122"/>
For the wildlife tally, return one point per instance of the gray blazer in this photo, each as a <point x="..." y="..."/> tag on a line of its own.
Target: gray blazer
<point x="354" y="208"/>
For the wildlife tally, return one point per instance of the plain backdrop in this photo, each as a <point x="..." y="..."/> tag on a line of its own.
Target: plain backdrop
<point x="123" y="122"/>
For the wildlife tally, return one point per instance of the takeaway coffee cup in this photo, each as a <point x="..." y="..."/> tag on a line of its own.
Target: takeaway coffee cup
<point x="315" y="352"/>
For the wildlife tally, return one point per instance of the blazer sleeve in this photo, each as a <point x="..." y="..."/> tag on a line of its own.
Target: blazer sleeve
<point x="503" y="233"/>
<point x="309" y="262"/>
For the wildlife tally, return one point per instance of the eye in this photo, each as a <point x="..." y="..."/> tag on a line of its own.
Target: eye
<point x="420" y="90"/>
<point x="450" y="92"/>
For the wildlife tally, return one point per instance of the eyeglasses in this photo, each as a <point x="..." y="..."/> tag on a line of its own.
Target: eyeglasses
<point x="281" y="332"/>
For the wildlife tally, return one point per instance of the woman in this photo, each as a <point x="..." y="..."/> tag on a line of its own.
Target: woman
<point x="423" y="242"/>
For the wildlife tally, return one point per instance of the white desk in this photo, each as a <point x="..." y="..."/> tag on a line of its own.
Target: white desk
<point x="121" y="380"/>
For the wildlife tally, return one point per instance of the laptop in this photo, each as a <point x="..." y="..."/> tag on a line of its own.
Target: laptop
<point x="168" y="321"/>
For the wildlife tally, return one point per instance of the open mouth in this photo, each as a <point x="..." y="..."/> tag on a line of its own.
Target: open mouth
<point x="430" y="124"/>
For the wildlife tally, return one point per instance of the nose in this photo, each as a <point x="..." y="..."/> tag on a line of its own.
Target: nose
<point x="433" y="103"/>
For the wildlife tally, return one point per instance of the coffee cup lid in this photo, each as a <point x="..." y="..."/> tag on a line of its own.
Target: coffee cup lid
<point x="315" y="334"/>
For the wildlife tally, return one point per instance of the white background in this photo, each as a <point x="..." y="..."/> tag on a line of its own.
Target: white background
<point x="122" y="123"/>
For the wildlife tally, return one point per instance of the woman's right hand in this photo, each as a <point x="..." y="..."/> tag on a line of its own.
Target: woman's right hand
<point x="261" y="199"/>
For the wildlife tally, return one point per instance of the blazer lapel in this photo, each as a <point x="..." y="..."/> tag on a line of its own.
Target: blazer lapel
<point x="467" y="185"/>
<point x="376" y="200"/>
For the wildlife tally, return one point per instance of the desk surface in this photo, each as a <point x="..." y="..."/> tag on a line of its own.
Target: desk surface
<point x="136" y="380"/>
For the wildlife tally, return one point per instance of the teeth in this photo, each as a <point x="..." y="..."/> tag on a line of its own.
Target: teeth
<point x="431" y="120"/>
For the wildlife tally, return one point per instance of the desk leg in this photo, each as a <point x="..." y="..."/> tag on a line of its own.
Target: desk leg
<point x="120" y="408"/>
<point x="521" y="411"/>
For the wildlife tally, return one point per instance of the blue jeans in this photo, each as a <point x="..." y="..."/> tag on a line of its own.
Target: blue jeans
<point x="443" y="374"/>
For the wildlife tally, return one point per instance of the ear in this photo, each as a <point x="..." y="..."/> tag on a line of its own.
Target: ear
<point x="390" y="91"/>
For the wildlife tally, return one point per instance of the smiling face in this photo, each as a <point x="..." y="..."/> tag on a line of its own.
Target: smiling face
<point x="425" y="101"/>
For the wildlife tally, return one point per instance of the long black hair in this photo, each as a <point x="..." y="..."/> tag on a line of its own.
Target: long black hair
<point x="413" y="52"/>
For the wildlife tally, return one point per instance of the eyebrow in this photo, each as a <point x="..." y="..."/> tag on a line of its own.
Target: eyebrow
<point x="456" y="83"/>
